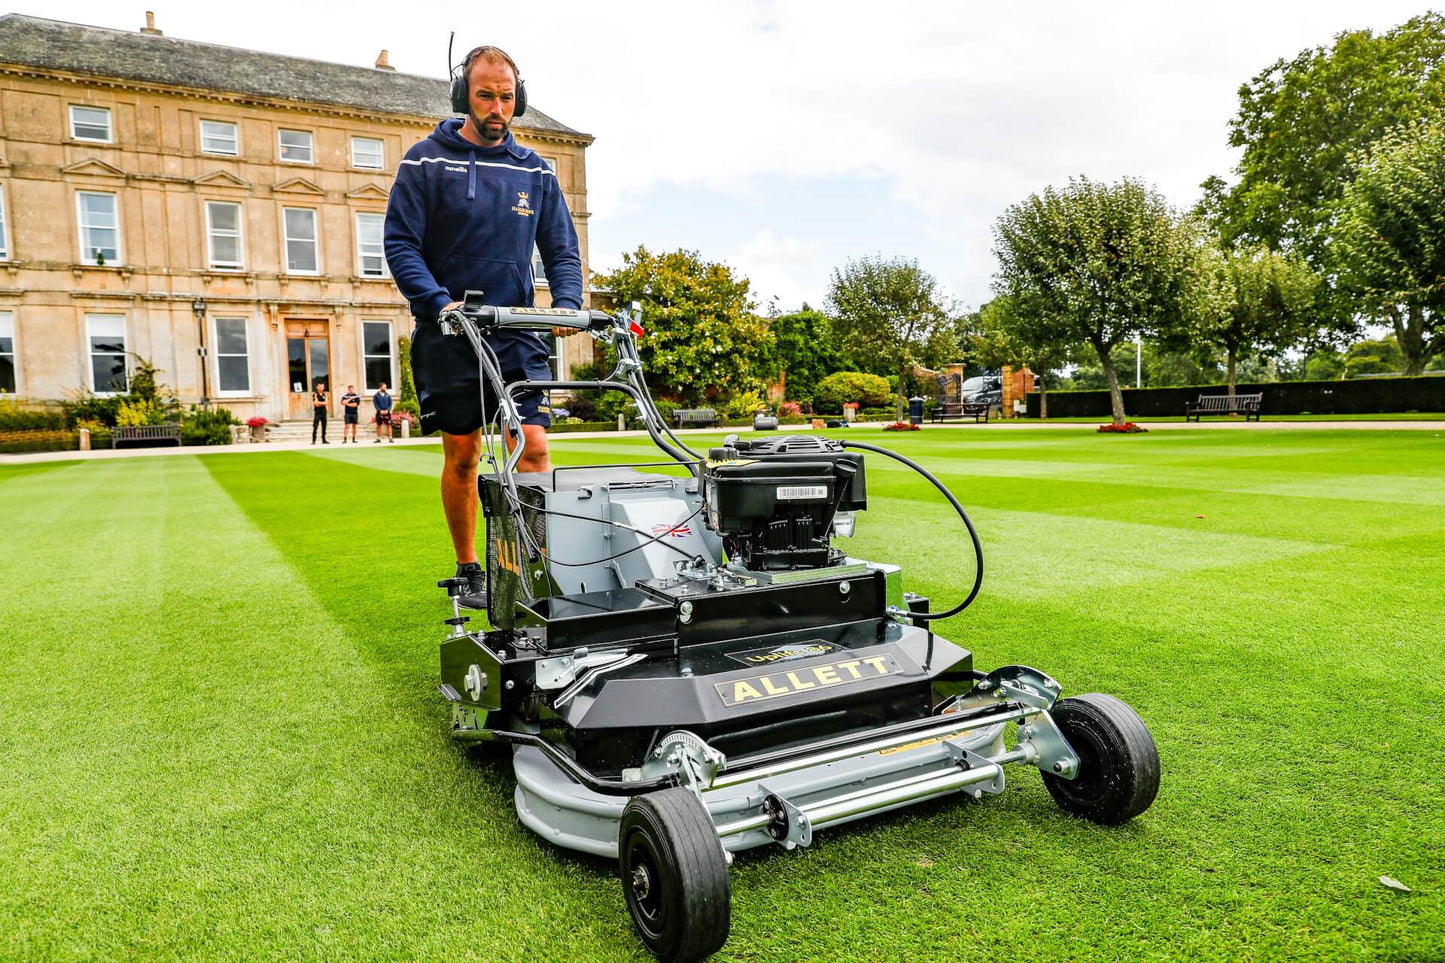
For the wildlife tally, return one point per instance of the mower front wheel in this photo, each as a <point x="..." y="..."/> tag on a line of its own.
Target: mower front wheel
<point x="1118" y="774"/>
<point x="674" y="875"/>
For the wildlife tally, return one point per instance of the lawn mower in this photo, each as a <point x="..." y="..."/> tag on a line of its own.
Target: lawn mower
<point x="684" y="666"/>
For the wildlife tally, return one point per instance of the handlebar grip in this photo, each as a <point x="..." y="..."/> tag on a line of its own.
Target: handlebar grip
<point x="536" y="319"/>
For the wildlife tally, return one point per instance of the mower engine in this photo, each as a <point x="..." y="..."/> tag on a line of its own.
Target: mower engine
<point x="776" y="502"/>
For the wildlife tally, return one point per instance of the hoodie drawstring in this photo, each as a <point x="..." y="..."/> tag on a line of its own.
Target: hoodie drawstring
<point x="471" y="175"/>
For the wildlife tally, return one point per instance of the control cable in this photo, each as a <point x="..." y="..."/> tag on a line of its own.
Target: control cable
<point x="968" y="523"/>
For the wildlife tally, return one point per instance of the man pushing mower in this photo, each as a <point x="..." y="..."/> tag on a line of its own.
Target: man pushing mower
<point x="468" y="206"/>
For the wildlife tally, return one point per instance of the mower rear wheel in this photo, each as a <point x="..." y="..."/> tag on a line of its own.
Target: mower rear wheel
<point x="1118" y="774"/>
<point x="674" y="875"/>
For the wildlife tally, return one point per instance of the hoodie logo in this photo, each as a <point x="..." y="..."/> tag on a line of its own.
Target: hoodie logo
<point x="523" y="207"/>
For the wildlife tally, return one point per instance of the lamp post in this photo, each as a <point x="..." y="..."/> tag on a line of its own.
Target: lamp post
<point x="1138" y="361"/>
<point x="199" y="306"/>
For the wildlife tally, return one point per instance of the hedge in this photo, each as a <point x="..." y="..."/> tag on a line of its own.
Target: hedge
<point x="19" y="442"/>
<point x="1360" y="396"/>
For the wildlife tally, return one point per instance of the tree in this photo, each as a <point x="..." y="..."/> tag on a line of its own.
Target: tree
<point x="891" y="309"/>
<point x="804" y="351"/>
<point x="702" y="339"/>
<point x="1099" y="264"/>
<point x="1009" y="334"/>
<point x="1391" y="247"/>
<point x="1300" y="123"/>
<point x="1373" y="357"/>
<point x="1265" y="303"/>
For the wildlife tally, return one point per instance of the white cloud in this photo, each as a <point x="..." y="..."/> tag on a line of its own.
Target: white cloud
<point x="779" y="268"/>
<point x="963" y="108"/>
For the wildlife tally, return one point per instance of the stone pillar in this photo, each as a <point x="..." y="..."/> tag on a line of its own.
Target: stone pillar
<point x="1017" y="383"/>
<point x="85" y="439"/>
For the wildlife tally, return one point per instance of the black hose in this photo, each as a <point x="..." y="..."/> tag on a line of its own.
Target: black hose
<point x="968" y="523"/>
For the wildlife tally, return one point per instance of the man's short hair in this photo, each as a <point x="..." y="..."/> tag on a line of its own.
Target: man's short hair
<point x="494" y="55"/>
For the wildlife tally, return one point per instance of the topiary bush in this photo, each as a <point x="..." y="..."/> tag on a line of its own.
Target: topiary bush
<point x="200" y="427"/>
<point x="851" y="387"/>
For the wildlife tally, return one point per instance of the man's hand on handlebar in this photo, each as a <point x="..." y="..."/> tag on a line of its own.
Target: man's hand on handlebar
<point x="491" y="317"/>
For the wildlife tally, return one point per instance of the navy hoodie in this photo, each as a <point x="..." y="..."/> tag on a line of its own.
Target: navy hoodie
<point x="464" y="218"/>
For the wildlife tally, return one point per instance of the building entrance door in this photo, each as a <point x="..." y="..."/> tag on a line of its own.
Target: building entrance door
<point x="308" y="363"/>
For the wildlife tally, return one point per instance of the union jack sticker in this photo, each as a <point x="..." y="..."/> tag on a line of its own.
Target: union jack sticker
<point x="678" y="531"/>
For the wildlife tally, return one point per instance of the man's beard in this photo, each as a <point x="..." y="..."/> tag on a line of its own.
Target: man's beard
<point x="498" y="131"/>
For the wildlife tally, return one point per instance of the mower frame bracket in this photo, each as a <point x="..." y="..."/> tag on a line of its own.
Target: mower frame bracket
<point x="688" y="755"/>
<point x="1020" y="683"/>
<point x="788" y="824"/>
<point x="1046" y="746"/>
<point x="969" y="759"/>
<point x="561" y="671"/>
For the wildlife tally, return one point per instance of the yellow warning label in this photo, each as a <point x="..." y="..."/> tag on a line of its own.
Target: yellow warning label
<point x="922" y="742"/>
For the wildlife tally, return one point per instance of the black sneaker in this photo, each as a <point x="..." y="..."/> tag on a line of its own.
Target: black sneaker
<point x="476" y="595"/>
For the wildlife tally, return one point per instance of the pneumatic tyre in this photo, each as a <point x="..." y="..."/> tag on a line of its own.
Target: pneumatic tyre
<point x="1118" y="762"/>
<point x="674" y="875"/>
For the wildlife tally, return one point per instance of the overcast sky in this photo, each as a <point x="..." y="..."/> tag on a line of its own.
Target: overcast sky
<point x="786" y="137"/>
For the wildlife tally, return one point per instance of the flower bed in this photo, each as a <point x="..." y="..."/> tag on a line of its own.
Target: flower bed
<point x="1127" y="428"/>
<point x="903" y="426"/>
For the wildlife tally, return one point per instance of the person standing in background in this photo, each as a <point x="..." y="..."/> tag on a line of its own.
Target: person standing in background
<point x="382" y="402"/>
<point x="351" y="411"/>
<point x="318" y="412"/>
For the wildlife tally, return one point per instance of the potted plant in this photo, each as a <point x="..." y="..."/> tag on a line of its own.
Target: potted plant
<point x="257" y="424"/>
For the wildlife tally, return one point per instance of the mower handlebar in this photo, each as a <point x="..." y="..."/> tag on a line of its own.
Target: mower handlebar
<point x="492" y="317"/>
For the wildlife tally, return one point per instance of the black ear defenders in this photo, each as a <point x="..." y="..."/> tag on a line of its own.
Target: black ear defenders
<point x="460" y="92"/>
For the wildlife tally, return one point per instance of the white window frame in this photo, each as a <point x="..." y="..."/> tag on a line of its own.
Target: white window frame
<point x="360" y="263"/>
<point x="539" y="270"/>
<point x="5" y="253"/>
<point x="7" y="330"/>
<point x="315" y="242"/>
<point x="109" y="137"/>
<point x="381" y="150"/>
<point x="90" y="319"/>
<point x="211" y="262"/>
<point x="235" y="138"/>
<point x="310" y="147"/>
<point x="390" y="356"/>
<point x="216" y="340"/>
<point x="86" y="257"/>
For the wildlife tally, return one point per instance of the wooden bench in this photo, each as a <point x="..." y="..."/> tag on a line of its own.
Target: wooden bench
<point x="959" y="410"/>
<point x="695" y="416"/>
<point x="1247" y="405"/>
<point x="143" y="433"/>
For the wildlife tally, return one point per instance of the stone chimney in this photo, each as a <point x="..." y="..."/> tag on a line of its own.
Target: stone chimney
<point x="150" y="26"/>
<point x="382" y="63"/>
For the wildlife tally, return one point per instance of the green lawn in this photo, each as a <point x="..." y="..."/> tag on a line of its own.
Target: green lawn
<point x="1211" y="419"/>
<point x="220" y="737"/>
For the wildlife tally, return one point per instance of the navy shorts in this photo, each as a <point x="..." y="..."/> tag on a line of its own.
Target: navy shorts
<point x="447" y="379"/>
<point x="350" y="416"/>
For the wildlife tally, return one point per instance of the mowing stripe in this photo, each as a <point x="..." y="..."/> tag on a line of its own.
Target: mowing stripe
<point x="198" y="765"/>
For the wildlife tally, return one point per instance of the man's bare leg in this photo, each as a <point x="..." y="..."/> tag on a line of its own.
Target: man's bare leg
<point x="460" y="455"/>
